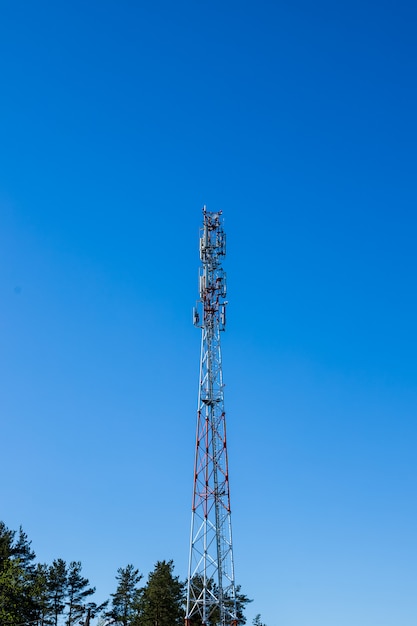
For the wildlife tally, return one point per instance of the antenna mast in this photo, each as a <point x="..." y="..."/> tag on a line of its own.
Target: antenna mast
<point x="211" y="592"/>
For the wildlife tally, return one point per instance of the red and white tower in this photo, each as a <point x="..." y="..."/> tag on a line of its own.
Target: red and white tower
<point x="211" y="591"/>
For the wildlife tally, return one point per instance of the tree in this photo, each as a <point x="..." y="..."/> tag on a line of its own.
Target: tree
<point x="241" y="601"/>
<point x="21" y="550"/>
<point x="16" y="577"/>
<point x="78" y="591"/>
<point x="214" y="617"/>
<point x="41" y="596"/>
<point x="257" y="621"/>
<point x="162" y="599"/>
<point x="125" y="600"/>
<point x="197" y="586"/>
<point x="6" y="543"/>
<point x="57" y="588"/>
<point x="37" y="594"/>
<point x="12" y="594"/>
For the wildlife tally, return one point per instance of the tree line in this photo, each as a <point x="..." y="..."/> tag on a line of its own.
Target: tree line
<point x="57" y="594"/>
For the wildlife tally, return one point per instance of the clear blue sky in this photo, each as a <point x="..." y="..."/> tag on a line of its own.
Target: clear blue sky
<point x="118" y="121"/>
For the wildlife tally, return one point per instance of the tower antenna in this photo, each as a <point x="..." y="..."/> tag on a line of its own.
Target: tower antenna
<point x="211" y="590"/>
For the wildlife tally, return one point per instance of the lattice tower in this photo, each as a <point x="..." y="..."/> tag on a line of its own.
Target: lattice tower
<point x="211" y="591"/>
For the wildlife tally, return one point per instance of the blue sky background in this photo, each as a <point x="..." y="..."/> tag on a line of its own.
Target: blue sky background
<point x="118" y="121"/>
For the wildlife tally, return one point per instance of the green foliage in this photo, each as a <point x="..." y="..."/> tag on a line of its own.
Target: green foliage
<point x="57" y="588"/>
<point x="16" y="578"/>
<point x="214" y="617"/>
<point x="38" y="594"/>
<point x="21" y="550"/>
<point x="12" y="594"/>
<point x="6" y="543"/>
<point x="78" y="591"/>
<point x="241" y="601"/>
<point x="257" y="621"/>
<point x="125" y="600"/>
<point x="162" y="599"/>
<point x="197" y="586"/>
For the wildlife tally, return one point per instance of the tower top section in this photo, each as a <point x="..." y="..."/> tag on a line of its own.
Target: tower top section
<point x="210" y="310"/>
<point x="212" y="238"/>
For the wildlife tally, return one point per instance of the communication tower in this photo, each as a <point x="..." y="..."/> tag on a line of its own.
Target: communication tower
<point x="211" y="591"/>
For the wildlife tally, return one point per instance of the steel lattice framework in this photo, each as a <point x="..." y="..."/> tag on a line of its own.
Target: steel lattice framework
<point x="211" y="592"/>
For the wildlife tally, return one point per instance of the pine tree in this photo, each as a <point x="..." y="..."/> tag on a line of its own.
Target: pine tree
<point x="78" y="591"/>
<point x="16" y="578"/>
<point x="12" y="594"/>
<point x="41" y="596"/>
<point x="37" y="594"/>
<point x="21" y="550"/>
<point x="6" y="543"/>
<point x="241" y="601"/>
<point x="162" y="599"/>
<point x="57" y="588"/>
<point x="214" y="618"/>
<point x="124" y="601"/>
